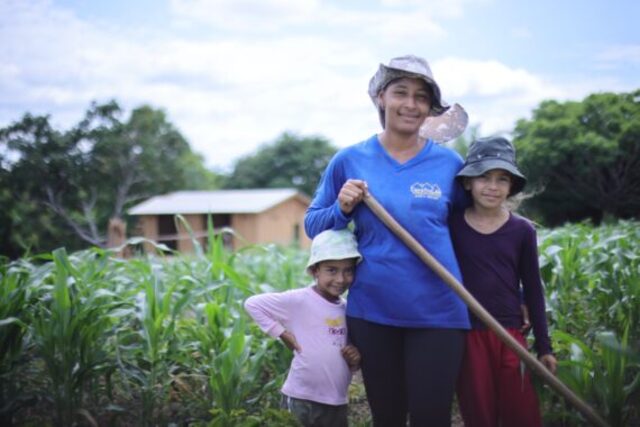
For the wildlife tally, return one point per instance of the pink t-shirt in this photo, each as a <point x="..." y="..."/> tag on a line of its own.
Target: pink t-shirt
<point x="318" y="372"/>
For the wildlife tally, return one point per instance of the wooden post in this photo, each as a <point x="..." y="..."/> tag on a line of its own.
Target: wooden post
<point x="117" y="235"/>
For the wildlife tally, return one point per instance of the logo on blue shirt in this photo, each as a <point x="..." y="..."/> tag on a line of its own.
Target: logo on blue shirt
<point x="426" y="190"/>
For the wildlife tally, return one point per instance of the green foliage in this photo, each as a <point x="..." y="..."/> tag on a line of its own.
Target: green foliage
<point x="15" y="295"/>
<point x="593" y="274"/>
<point x="240" y="418"/>
<point x="165" y="340"/>
<point x="592" y="285"/>
<point x="32" y="153"/>
<point x="583" y="158"/>
<point x="290" y="161"/>
<point x="62" y="187"/>
<point x="461" y="144"/>
<point x="607" y="373"/>
<point x="69" y="329"/>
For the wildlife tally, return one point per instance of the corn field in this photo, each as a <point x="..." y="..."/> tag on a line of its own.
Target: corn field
<point x="89" y="339"/>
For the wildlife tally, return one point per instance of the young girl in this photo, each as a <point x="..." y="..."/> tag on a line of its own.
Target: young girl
<point x="497" y="252"/>
<point x="311" y="322"/>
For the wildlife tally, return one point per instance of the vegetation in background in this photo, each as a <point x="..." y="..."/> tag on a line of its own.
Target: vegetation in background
<point x="62" y="187"/>
<point x="290" y="161"/>
<point x="89" y="339"/>
<point x="583" y="157"/>
<point x="461" y="144"/>
<point x="592" y="282"/>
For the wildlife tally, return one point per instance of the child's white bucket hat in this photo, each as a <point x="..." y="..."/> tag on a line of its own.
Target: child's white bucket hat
<point x="333" y="245"/>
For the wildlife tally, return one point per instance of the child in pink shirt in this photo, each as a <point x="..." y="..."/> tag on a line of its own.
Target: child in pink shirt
<point x="311" y="322"/>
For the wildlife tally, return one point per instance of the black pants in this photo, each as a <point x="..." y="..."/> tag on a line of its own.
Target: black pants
<point x="408" y="370"/>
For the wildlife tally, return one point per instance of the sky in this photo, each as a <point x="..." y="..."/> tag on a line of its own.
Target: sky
<point x="233" y="75"/>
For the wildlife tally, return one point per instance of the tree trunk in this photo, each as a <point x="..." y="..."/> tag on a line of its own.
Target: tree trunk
<point x="117" y="235"/>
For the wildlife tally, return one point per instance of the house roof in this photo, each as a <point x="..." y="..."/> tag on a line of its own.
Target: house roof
<point x="215" y="202"/>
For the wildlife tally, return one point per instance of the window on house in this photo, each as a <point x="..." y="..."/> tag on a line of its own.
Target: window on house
<point x="219" y="221"/>
<point x="167" y="232"/>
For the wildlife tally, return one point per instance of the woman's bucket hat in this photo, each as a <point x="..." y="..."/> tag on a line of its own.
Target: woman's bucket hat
<point x="441" y="129"/>
<point x="407" y="66"/>
<point x="490" y="153"/>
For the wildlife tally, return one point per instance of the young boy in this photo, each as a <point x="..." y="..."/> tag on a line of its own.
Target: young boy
<point x="497" y="252"/>
<point x="311" y="322"/>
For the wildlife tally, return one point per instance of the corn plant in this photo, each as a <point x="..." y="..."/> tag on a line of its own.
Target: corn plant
<point x="145" y="352"/>
<point x="70" y="329"/>
<point x="235" y="369"/>
<point x="15" y="301"/>
<point x="608" y="375"/>
<point x="594" y="274"/>
<point x="165" y="340"/>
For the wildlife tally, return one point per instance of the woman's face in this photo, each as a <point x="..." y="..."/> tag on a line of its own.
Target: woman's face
<point x="406" y="103"/>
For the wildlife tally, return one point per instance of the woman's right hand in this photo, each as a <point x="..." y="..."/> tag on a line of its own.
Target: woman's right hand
<point x="351" y="193"/>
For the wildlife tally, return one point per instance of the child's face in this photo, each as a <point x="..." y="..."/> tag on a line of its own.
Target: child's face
<point x="333" y="277"/>
<point x="491" y="189"/>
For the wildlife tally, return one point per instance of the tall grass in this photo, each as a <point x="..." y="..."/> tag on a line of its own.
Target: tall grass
<point x="90" y="339"/>
<point x="592" y="279"/>
<point x="15" y="298"/>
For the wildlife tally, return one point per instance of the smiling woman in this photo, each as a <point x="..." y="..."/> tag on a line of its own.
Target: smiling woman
<point x="407" y="324"/>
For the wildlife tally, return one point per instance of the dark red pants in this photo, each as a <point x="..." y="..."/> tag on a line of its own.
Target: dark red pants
<point x="493" y="387"/>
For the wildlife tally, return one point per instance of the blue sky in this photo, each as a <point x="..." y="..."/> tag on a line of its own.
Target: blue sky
<point x="235" y="74"/>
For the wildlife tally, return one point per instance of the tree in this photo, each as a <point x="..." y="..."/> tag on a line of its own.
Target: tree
<point x="62" y="187"/>
<point x="584" y="157"/>
<point x="291" y="161"/>
<point x="461" y="143"/>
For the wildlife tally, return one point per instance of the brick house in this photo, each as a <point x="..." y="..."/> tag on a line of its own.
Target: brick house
<point x="256" y="216"/>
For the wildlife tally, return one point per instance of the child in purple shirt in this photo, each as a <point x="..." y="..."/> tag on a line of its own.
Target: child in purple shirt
<point x="497" y="253"/>
<point x="311" y="322"/>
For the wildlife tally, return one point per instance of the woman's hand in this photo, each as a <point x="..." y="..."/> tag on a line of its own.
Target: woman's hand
<point x="550" y="362"/>
<point x="351" y="193"/>
<point x="290" y="341"/>
<point x="351" y="355"/>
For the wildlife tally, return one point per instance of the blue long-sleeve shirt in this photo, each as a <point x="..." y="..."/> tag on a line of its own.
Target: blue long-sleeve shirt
<point x="392" y="285"/>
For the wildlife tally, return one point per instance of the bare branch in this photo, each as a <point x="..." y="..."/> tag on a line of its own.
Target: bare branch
<point x="90" y="236"/>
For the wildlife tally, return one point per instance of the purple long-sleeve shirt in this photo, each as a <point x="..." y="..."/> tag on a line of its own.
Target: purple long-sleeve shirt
<point x="493" y="267"/>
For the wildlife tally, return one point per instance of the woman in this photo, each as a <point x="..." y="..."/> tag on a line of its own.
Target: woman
<point x="407" y="323"/>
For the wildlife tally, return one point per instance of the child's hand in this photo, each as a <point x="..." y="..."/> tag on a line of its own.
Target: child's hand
<point x="290" y="341"/>
<point x="351" y="355"/>
<point x="526" y="323"/>
<point x="550" y="362"/>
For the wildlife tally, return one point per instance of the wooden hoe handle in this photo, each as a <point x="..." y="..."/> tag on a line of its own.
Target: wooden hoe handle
<point x="477" y="309"/>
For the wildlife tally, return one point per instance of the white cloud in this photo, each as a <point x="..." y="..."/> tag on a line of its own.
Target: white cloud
<point x="462" y="77"/>
<point x="620" y="55"/>
<point x="522" y="33"/>
<point x="438" y="8"/>
<point x="244" y="15"/>
<point x="494" y="94"/>
<point x="227" y="90"/>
